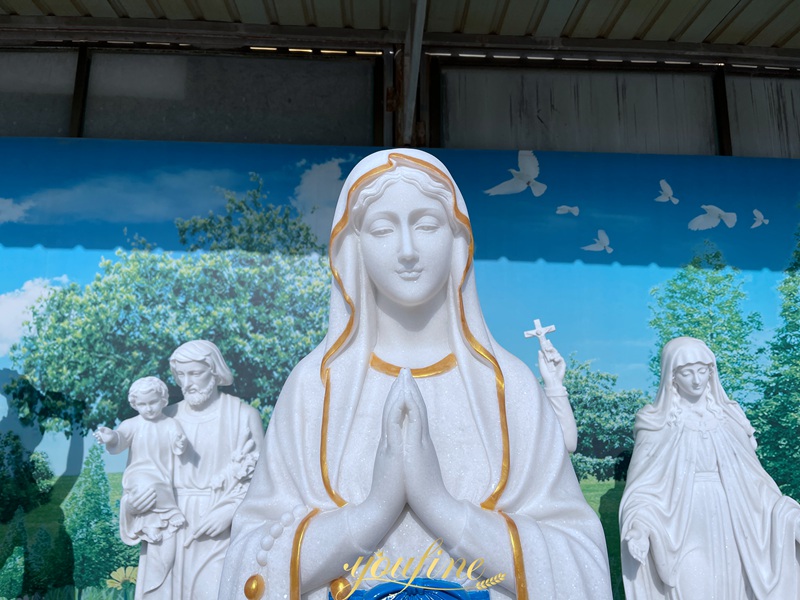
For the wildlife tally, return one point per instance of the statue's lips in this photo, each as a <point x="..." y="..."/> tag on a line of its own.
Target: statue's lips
<point x="409" y="275"/>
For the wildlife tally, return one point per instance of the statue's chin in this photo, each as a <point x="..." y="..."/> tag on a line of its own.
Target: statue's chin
<point x="197" y="400"/>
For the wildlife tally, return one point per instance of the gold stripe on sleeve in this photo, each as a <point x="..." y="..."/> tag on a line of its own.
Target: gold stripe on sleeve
<point x="297" y="545"/>
<point x="323" y="444"/>
<point x="519" y="562"/>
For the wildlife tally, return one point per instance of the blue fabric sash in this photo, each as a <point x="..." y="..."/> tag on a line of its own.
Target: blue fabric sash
<point x="421" y="589"/>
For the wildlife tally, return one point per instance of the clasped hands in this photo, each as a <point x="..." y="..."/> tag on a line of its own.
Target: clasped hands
<point x="407" y="469"/>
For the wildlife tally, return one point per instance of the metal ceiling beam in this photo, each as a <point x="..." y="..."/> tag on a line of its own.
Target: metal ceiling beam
<point x="411" y="58"/>
<point x="614" y="49"/>
<point x="25" y="31"/>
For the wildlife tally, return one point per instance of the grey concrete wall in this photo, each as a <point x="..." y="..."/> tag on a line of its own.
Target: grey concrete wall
<point x="230" y="99"/>
<point x="764" y="116"/>
<point x="36" y="92"/>
<point x="578" y="110"/>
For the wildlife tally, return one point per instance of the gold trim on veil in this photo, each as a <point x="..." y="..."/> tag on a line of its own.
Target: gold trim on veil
<point x="478" y="349"/>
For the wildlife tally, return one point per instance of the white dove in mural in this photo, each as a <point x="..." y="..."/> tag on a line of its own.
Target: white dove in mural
<point x="564" y="209"/>
<point x="712" y="218"/>
<point x="524" y="178"/>
<point x="758" y="219"/>
<point x="666" y="193"/>
<point x="600" y="243"/>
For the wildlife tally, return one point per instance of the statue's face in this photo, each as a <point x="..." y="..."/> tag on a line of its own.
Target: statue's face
<point x="406" y="244"/>
<point x="197" y="381"/>
<point x="692" y="380"/>
<point x="149" y="405"/>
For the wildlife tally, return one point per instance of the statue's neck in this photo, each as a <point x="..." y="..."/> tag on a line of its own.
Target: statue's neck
<point x="694" y="405"/>
<point x="412" y="337"/>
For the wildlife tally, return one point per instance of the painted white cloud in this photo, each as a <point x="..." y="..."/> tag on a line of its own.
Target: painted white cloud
<point x="13" y="212"/>
<point x="15" y="308"/>
<point x="150" y="196"/>
<point x="317" y="193"/>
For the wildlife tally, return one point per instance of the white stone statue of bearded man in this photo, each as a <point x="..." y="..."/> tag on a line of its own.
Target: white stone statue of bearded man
<point x="225" y="439"/>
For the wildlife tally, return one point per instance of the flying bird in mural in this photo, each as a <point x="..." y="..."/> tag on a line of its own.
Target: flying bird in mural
<point x="666" y="193"/>
<point x="600" y="243"/>
<point x="564" y="209"/>
<point x="524" y="178"/>
<point x="758" y="219"/>
<point x="712" y="218"/>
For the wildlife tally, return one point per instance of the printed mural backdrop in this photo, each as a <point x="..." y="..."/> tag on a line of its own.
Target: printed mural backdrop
<point x="114" y="253"/>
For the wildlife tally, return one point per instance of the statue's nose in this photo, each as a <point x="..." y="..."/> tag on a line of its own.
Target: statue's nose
<point x="408" y="250"/>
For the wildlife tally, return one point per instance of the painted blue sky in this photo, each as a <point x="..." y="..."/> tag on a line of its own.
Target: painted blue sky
<point x="63" y="193"/>
<point x="65" y="204"/>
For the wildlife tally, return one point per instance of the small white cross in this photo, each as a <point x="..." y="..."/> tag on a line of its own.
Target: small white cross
<point x="540" y="332"/>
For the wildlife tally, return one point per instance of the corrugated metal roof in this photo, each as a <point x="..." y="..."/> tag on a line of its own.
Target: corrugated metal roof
<point x="749" y="23"/>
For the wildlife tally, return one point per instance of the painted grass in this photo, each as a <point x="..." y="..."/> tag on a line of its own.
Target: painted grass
<point x="604" y="497"/>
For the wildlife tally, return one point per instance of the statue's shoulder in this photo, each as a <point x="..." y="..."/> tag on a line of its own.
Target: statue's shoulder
<point x="524" y="395"/>
<point x="302" y="393"/>
<point x="236" y="402"/>
<point x="515" y="372"/>
<point x="305" y="376"/>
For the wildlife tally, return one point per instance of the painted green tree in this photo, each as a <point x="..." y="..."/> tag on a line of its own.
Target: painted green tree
<point x="604" y="417"/>
<point x="60" y="560"/>
<point x="12" y="573"/>
<point x="38" y="572"/>
<point x="249" y="223"/>
<point x="704" y="299"/>
<point x="93" y="527"/>
<point x="88" y="344"/>
<point x="25" y="478"/>
<point x="776" y="416"/>
<point x="16" y="535"/>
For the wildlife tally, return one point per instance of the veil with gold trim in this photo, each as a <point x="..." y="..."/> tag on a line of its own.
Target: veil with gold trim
<point x="313" y="420"/>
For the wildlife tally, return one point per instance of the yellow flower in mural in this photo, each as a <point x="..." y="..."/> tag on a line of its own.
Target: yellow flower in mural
<point x="121" y="576"/>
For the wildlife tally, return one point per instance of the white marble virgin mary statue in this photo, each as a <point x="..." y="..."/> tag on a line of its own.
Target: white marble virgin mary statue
<point x="409" y="424"/>
<point x="700" y="518"/>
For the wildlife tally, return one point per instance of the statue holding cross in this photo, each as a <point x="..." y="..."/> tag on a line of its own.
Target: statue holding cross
<point x="553" y="368"/>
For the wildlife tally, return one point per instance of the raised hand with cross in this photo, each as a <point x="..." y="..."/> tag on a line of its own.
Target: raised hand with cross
<point x="551" y="364"/>
<point x="553" y="368"/>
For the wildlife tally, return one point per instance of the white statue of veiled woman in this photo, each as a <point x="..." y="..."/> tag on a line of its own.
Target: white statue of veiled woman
<point x="362" y="456"/>
<point x="700" y="518"/>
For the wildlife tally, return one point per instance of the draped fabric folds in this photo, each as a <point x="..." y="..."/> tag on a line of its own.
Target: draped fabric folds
<point x="720" y="527"/>
<point x="498" y="440"/>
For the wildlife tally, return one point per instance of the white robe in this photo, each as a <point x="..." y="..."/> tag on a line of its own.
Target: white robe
<point x="721" y="529"/>
<point x="216" y="436"/>
<point x="562" y="540"/>
<point x="150" y="466"/>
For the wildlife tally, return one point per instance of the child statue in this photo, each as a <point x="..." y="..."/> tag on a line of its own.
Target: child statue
<point x="154" y="439"/>
<point x="700" y="518"/>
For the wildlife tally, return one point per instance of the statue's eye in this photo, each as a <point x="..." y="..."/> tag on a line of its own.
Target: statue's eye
<point x="380" y="228"/>
<point x="428" y="224"/>
<point x="380" y="231"/>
